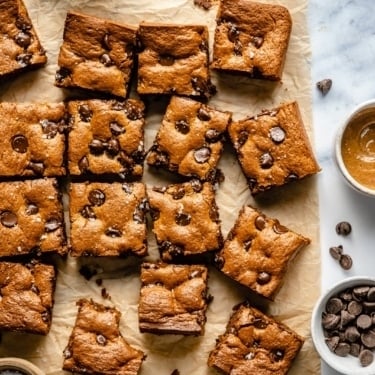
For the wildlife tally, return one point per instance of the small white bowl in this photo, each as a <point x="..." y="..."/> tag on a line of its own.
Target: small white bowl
<point x="348" y="365"/>
<point x="21" y="365"/>
<point x="365" y="106"/>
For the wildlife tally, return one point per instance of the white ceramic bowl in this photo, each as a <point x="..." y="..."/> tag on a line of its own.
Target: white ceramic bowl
<point x="23" y="366"/>
<point x="348" y="365"/>
<point x="338" y="149"/>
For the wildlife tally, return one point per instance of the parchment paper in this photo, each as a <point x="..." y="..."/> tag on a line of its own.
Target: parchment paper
<point x="295" y="206"/>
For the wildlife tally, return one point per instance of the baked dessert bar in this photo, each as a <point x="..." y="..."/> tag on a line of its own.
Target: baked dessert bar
<point x="96" y="54"/>
<point x="26" y="297"/>
<point x="108" y="219"/>
<point x="255" y="343"/>
<point x="185" y="220"/>
<point x="96" y="345"/>
<point x="251" y="38"/>
<point x="190" y="139"/>
<point x="31" y="218"/>
<point x="273" y="148"/>
<point x="106" y="137"/>
<point x="33" y="141"/>
<point x="173" y="299"/>
<point x="20" y="47"/>
<point x="173" y="59"/>
<point x="258" y="251"/>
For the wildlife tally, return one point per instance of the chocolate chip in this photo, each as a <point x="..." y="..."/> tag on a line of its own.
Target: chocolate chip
<point x="343" y="228"/>
<point x="199" y="85"/>
<point x="24" y="59"/>
<point x="8" y="219"/>
<point x="23" y="39"/>
<point x="355" y="349"/>
<point x="257" y="41"/>
<point x="61" y="74"/>
<point x="277" y="134"/>
<point x="219" y="261"/>
<point x="36" y="167"/>
<point x="334" y="305"/>
<point x="233" y="33"/>
<point x="22" y="24"/>
<point x="336" y="252"/>
<point x="196" y="185"/>
<point x="260" y="222"/>
<point x="19" y="143"/>
<point x="106" y="60"/>
<point x="113" y="232"/>
<point x="161" y="158"/>
<point x="139" y="213"/>
<point x="178" y="193"/>
<point x="85" y="112"/>
<point x="279" y="229"/>
<point x="237" y="48"/>
<point x="52" y="224"/>
<point x="277" y="354"/>
<point x="330" y="321"/>
<point x="354" y="308"/>
<point x="346" y="318"/>
<point x="291" y="177"/>
<point x="97" y="147"/>
<point x="259" y="324"/>
<point x="368" y="339"/>
<point x="105" y="42"/>
<point x="242" y="138"/>
<point x="182" y="219"/>
<point x="371" y="294"/>
<point x="202" y="155"/>
<point x="31" y="209"/>
<point x="101" y="340"/>
<point x="128" y="188"/>
<point x="113" y="147"/>
<point x="346" y="262"/>
<point x="50" y="128"/>
<point x="203" y="114"/>
<point x="212" y="135"/>
<point x="83" y="164"/>
<point x="324" y="85"/>
<point x="366" y="357"/>
<point x="96" y="197"/>
<point x="352" y="334"/>
<point x="166" y="60"/>
<point x="182" y="126"/>
<point x="116" y="128"/>
<point x="364" y="322"/>
<point x="214" y="213"/>
<point x="369" y="307"/>
<point x="266" y="160"/>
<point x="175" y="250"/>
<point x="332" y="342"/>
<point x="88" y="213"/>
<point x="132" y="111"/>
<point x="361" y="291"/>
<point x="263" y="278"/>
<point x="247" y="244"/>
<point x="342" y="349"/>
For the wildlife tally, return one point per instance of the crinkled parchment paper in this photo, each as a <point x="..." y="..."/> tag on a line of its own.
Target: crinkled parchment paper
<point x="295" y="206"/>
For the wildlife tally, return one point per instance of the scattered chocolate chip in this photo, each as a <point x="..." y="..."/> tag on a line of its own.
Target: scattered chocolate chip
<point x="22" y="24"/>
<point x="31" y="209"/>
<point x="266" y="160"/>
<point x="106" y="60"/>
<point x="101" y="340"/>
<point x="336" y="252"/>
<point x="263" y="278"/>
<point x="166" y="60"/>
<point x="61" y="74"/>
<point x="36" y="167"/>
<point x="199" y="85"/>
<point x="113" y="232"/>
<point x="19" y="143"/>
<point x="132" y="111"/>
<point x="212" y="135"/>
<point x="52" y="224"/>
<point x="346" y="261"/>
<point x="8" y="219"/>
<point x="23" y="39"/>
<point x="366" y="357"/>
<point x="182" y="219"/>
<point x="85" y="112"/>
<point x="343" y="228"/>
<point x="260" y="222"/>
<point x="247" y="244"/>
<point x="203" y="114"/>
<point x="324" y="85"/>
<point x="139" y="213"/>
<point x="24" y="59"/>
<point x="257" y="41"/>
<point x="88" y="213"/>
<point x="113" y="147"/>
<point x="178" y="193"/>
<point x="291" y="177"/>
<point x="277" y="134"/>
<point x="97" y="147"/>
<point x="83" y="164"/>
<point x="96" y="197"/>
<point x="202" y="155"/>
<point x="182" y="126"/>
<point x="279" y="229"/>
<point x="277" y="354"/>
<point x="116" y="128"/>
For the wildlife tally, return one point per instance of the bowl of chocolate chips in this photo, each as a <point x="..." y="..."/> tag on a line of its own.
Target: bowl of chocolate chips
<point x="343" y="326"/>
<point x="18" y="366"/>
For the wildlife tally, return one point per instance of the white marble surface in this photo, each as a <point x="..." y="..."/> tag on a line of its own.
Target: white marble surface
<point x="343" y="49"/>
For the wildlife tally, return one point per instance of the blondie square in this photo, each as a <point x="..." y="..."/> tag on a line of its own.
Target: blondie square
<point x="20" y="47"/>
<point x="190" y="139"/>
<point x="273" y="148"/>
<point x="251" y="38"/>
<point x="106" y="137"/>
<point x="96" y="54"/>
<point x="255" y="343"/>
<point x="258" y="251"/>
<point x="33" y="139"/>
<point x="26" y="301"/>
<point x="173" y="59"/>
<point x="108" y="219"/>
<point x="173" y="299"/>
<point x="31" y="218"/>
<point x="96" y="345"/>
<point x="186" y="220"/>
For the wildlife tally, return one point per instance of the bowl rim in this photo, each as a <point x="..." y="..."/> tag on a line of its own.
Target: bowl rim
<point x="341" y="364"/>
<point x="20" y="364"/>
<point x="338" y="154"/>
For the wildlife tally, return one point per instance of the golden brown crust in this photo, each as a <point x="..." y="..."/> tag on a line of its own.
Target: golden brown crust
<point x="96" y="54"/>
<point x="190" y="139"/>
<point x="252" y="38"/>
<point x="26" y="297"/>
<point x="173" y="60"/>
<point x="273" y="148"/>
<point x="96" y="345"/>
<point x="173" y="299"/>
<point x="31" y="218"/>
<point x="20" y="48"/>
<point x="33" y="141"/>
<point x="106" y="137"/>
<point x="186" y="220"/>
<point x="97" y="230"/>
<point x="258" y="250"/>
<point x="255" y="343"/>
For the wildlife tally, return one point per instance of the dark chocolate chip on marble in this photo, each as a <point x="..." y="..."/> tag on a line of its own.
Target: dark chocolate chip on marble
<point x="20" y="143"/>
<point x="23" y="39"/>
<point x="31" y="209"/>
<point x="52" y="224"/>
<point x="260" y="222"/>
<point x="24" y="59"/>
<point x="97" y="146"/>
<point x="85" y="112"/>
<point x="263" y="278"/>
<point x="61" y="74"/>
<point x="203" y="114"/>
<point x="116" y="128"/>
<point x="36" y="166"/>
<point x="324" y="85"/>
<point x="346" y="261"/>
<point x="96" y="197"/>
<point x="101" y="340"/>
<point x="202" y="155"/>
<point x="343" y="228"/>
<point x="106" y="60"/>
<point x="366" y="357"/>
<point x="113" y="232"/>
<point x="334" y="305"/>
<point x="277" y="134"/>
<point x="88" y="213"/>
<point x="83" y="164"/>
<point x="8" y="219"/>
<point x="182" y="219"/>
<point x="166" y="60"/>
<point x="364" y="321"/>
<point x="182" y="126"/>
<point x="266" y="160"/>
<point x="342" y="349"/>
<point x="336" y="252"/>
